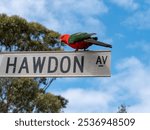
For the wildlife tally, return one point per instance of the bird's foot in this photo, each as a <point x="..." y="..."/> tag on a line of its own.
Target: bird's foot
<point x="76" y="50"/>
<point x="81" y="50"/>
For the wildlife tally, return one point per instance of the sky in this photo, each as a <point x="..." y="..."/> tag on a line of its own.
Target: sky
<point x="123" y="23"/>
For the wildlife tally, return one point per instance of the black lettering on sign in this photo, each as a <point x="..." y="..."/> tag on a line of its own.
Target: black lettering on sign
<point x="101" y="60"/>
<point x="11" y="64"/>
<point x="78" y="63"/>
<point x="38" y="64"/>
<point x="24" y="65"/>
<point x="104" y="59"/>
<point x="52" y="61"/>
<point x="65" y="64"/>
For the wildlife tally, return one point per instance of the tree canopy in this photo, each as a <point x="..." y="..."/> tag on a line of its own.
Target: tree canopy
<point x="26" y="94"/>
<point x="122" y="109"/>
<point x="16" y="34"/>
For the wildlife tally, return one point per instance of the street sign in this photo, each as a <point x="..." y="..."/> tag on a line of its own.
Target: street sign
<point x="55" y="64"/>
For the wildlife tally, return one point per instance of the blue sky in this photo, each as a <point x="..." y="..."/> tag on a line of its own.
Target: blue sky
<point x="123" y="23"/>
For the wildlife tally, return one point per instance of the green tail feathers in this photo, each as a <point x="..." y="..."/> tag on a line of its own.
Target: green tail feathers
<point x="76" y="37"/>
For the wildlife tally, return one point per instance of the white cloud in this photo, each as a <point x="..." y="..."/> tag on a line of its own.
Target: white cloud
<point x="126" y="4"/>
<point x="65" y="16"/>
<point x="24" y="8"/>
<point x="133" y="78"/>
<point x="80" y="7"/>
<point x="82" y="100"/>
<point x="73" y="16"/>
<point x="130" y="85"/>
<point x="139" y="20"/>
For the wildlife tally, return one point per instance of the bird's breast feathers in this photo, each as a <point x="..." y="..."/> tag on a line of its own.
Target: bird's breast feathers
<point x="80" y="45"/>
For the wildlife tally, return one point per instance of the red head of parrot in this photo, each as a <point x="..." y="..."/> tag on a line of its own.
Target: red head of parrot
<point x="64" y="38"/>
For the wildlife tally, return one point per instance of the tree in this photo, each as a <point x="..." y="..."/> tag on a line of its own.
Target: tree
<point x="16" y="34"/>
<point x="122" y="109"/>
<point x="26" y="94"/>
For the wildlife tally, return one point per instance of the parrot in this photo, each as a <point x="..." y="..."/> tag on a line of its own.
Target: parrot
<point x="81" y="40"/>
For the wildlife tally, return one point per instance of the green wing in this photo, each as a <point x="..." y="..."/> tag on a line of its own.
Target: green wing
<point x="76" y="37"/>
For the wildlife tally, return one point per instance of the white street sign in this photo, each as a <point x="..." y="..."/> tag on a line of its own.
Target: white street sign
<point x="55" y="64"/>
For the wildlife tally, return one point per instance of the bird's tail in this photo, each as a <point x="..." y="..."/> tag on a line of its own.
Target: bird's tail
<point x="93" y="41"/>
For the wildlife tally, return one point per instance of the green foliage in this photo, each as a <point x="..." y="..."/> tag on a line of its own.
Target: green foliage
<point x="26" y="94"/>
<point x="17" y="95"/>
<point x="48" y="103"/>
<point x="16" y="34"/>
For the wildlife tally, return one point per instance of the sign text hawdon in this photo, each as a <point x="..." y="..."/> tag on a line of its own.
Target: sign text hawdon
<point x="55" y="64"/>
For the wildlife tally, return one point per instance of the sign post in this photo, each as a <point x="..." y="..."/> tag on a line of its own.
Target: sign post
<point x="55" y="64"/>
